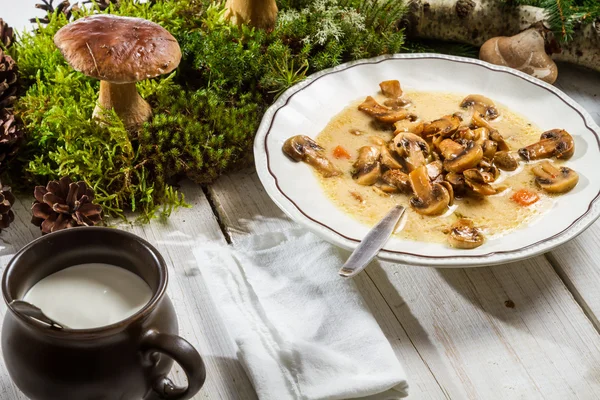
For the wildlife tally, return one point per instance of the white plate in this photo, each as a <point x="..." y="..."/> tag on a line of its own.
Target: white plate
<point x="307" y="107"/>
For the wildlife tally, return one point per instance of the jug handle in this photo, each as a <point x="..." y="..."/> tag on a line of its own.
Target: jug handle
<point x="185" y="355"/>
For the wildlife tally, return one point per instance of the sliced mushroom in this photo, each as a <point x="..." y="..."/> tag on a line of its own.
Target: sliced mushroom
<point x="481" y="134"/>
<point x="397" y="179"/>
<point x="435" y="171"/>
<point x="481" y="105"/>
<point x="488" y="170"/>
<point x="409" y="124"/>
<point x="450" y="190"/>
<point x="413" y="148"/>
<point x="367" y="168"/>
<point x="553" y="179"/>
<point x="477" y="182"/>
<point x="505" y="161"/>
<point x="382" y="113"/>
<point x="464" y="133"/>
<point x="388" y="160"/>
<point x="444" y="126"/>
<point x="458" y="183"/>
<point x="498" y="138"/>
<point x="450" y="149"/>
<point x="464" y="235"/>
<point x="468" y="158"/>
<point x="400" y="102"/>
<point x="489" y="148"/>
<point x="391" y="89"/>
<point x="430" y="198"/>
<point x="303" y="148"/>
<point x="377" y="140"/>
<point x="554" y="143"/>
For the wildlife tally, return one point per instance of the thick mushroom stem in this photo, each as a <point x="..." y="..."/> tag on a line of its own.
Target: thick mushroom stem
<point x="125" y="100"/>
<point x="260" y="14"/>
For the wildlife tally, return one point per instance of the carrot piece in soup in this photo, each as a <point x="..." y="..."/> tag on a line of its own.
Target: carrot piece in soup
<point x="525" y="197"/>
<point x="340" y="152"/>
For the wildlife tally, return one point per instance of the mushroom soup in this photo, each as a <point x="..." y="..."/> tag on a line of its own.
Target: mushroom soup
<point x="465" y="168"/>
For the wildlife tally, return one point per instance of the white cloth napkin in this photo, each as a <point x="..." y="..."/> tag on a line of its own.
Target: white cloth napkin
<point x="302" y="331"/>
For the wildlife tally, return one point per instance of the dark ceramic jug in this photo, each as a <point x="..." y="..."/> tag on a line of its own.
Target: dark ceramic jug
<point x="128" y="360"/>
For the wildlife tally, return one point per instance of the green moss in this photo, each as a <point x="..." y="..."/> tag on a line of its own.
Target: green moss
<point x="205" y="114"/>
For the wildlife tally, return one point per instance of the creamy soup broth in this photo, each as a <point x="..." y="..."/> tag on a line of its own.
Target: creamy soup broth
<point x="493" y="215"/>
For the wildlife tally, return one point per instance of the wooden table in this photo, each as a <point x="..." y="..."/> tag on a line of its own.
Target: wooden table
<point x="526" y="330"/>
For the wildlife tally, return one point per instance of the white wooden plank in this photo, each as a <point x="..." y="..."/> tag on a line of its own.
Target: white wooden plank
<point x="198" y="319"/>
<point x="454" y="323"/>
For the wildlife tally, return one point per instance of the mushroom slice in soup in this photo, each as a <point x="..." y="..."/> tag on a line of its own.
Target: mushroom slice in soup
<point x="413" y="148"/>
<point x="410" y="124"/>
<point x="464" y="235"/>
<point x="444" y="126"/>
<point x="481" y="105"/>
<point x="429" y="198"/>
<point x="397" y="179"/>
<point x="391" y="88"/>
<point x="468" y="158"/>
<point x="477" y="182"/>
<point x="381" y="113"/>
<point x="388" y="160"/>
<point x="367" y="166"/>
<point x="505" y="161"/>
<point x="303" y="148"/>
<point x="553" y="143"/>
<point x="554" y="179"/>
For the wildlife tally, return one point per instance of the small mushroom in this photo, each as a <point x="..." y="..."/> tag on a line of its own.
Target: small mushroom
<point x="525" y="51"/>
<point x="554" y="143"/>
<point x="457" y="181"/>
<point x="388" y="160"/>
<point x="464" y="235"/>
<point x="430" y="198"/>
<point x="444" y="126"/>
<point x="119" y="51"/>
<point x="367" y="166"/>
<point x="391" y="89"/>
<point x="468" y="158"/>
<point x="481" y="105"/>
<point x="381" y="113"/>
<point x="409" y="124"/>
<point x="397" y="179"/>
<point x="505" y="161"/>
<point x="303" y="148"/>
<point x="553" y="179"/>
<point x="477" y="182"/>
<point x="498" y="138"/>
<point x="413" y="148"/>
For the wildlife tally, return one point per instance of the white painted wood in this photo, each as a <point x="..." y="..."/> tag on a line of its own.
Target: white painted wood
<point x="454" y="323"/>
<point x="197" y="314"/>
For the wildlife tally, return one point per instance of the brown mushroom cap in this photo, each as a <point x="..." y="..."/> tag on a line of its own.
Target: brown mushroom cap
<point x="118" y="49"/>
<point x="303" y="148"/>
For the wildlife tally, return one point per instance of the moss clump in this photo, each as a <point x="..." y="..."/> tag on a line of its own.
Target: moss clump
<point x="205" y="114"/>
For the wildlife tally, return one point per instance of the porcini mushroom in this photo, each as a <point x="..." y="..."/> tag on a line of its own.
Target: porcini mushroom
<point x="430" y="198"/>
<point x="391" y="89"/>
<point x="481" y="105"/>
<point x="413" y="148"/>
<point x="119" y="51"/>
<point x="464" y="235"/>
<point x="468" y="158"/>
<point x="554" y="143"/>
<point x="303" y="148"/>
<point x="382" y="113"/>
<point x="525" y="51"/>
<point x="261" y="14"/>
<point x="553" y="179"/>
<point x="367" y="166"/>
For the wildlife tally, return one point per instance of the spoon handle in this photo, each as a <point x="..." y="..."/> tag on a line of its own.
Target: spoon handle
<point x="35" y="313"/>
<point x="372" y="243"/>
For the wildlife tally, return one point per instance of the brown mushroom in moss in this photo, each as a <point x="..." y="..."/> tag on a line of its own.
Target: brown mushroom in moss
<point x="119" y="51"/>
<point x="261" y="14"/>
<point x="481" y="105"/>
<point x="302" y="148"/>
<point x="430" y="198"/>
<point x="525" y="51"/>
<point x="391" y="88"/>
<point x="413" y="148"/>
<point x="464" y="235"/>
<point x="382" y="113"/>
<point x="553" y="143"/>
<point x="367" y="168"/>
<point x="468" y="158"/>
<point x="554" y="179"/>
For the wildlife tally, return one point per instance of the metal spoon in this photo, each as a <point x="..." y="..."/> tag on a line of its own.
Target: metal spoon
<point x="35" y="313"/>
<point x="372" y="243"/>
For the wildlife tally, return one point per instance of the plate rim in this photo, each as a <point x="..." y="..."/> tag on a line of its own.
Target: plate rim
<point x="271" y="184"/>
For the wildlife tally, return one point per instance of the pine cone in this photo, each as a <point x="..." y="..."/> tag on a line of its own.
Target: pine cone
<point x="7" y="199"/>
<point x="6" y="34"/>
<point x="11" y="135"/>
<point x="8" y="80"/>
<point x="48" y="6"/>
<point x="64" y="204"/>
